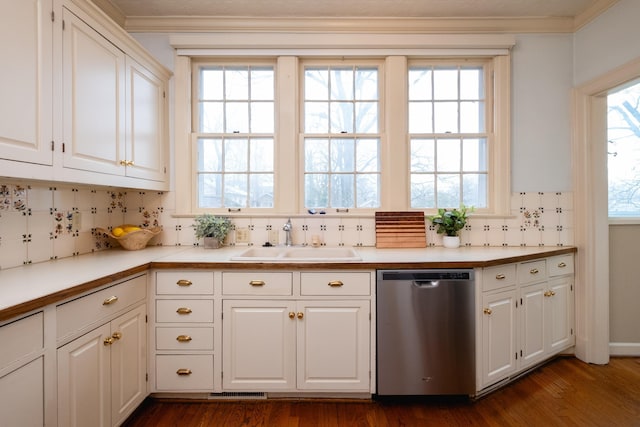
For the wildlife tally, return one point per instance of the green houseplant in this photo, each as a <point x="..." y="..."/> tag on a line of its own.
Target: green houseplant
<point x="449" y="223"/>
<point x="212" y="228"/>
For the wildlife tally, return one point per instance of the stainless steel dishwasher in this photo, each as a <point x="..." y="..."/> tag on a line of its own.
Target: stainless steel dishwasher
<point x="425" y="332"/>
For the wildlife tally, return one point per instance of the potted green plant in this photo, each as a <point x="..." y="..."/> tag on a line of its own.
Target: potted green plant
<point x="449" y="223"/>
<point x="212" y="229"/>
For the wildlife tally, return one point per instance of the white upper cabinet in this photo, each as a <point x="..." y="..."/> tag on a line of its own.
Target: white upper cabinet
<point x="26" y="82"/>
<point x="81" y="100"/>
<point x="94" y="99"/>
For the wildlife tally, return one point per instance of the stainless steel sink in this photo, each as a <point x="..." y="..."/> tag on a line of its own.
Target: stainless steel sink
<point x="298" y="254"/>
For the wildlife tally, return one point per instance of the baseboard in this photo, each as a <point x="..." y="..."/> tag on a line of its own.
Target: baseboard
<point x="624" y="349"/>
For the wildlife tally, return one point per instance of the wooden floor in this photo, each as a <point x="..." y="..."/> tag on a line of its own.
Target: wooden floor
<point x="565" y="392"/>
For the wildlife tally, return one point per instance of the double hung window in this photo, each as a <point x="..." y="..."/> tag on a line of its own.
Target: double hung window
<point x="235" y="136"/>
<point x="341" y="136"/>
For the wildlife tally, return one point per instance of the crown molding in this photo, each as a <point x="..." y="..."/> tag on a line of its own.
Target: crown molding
<point x="592" y="13"/>
<point x="189" y="24"/>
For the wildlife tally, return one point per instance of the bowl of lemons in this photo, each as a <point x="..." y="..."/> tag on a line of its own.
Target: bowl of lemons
<point x="131" y="237"/>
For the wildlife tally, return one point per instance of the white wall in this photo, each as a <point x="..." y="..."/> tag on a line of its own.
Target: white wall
<point x="541" y="113"/>
<point x="608" y="42"/>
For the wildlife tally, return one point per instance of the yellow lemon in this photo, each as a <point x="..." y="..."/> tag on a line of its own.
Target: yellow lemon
<point x="118" y="231"/>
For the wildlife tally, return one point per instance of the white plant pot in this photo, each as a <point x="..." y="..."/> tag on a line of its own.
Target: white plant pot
<point x="451" y="242"/>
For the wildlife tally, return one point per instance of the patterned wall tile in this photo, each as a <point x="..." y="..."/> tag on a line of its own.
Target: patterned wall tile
<point x="40" y="221"/>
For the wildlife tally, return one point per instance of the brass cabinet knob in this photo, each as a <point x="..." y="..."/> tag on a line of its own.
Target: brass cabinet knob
<point x="108" y="341"/>
<point x="184" y="371"/>
<point x="547" y="294"/>
<point x="110" y="300"/>
<point x="116" y="335"/>
<point x="487" y="311"/>
<point x="300" y="315"/>
<point x="184" y="310"/>
<point x="292" y="315"/>
<point x="257" y="283"/>
<point x="183" y="338"/>
<point x="500" y="276"/>
<point x="184" y="282"/>
<point x="335" y="283"/>
<point x="123" y="163"/>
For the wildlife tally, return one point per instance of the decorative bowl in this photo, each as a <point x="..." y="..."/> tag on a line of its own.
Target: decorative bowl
<point x="133" y="240"/>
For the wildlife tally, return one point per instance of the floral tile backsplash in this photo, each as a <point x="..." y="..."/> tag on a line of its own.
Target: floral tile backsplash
<point x="40" y="222"/>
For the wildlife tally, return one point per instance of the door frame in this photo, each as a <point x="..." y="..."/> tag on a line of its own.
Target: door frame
<point x="591" y="219"/>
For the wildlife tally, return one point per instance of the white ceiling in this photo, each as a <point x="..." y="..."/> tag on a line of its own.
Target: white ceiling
<point x="355" y="8"/>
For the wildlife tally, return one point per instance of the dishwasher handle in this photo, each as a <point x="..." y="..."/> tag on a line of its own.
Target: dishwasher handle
<point x="426" y="284"/>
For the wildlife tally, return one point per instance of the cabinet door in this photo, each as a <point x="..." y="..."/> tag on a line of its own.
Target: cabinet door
<point x="26" y="34"/>
<point x="22" y="394"/>
<point x="145" y="147"/>
<point x="83" y="380"/>
<point x="333" y="345"/>
<point x="258" y="345"/>
<point x="559" y="314"/>
<point x="94" y="99"/>
<point x="128" y="363"/>
<point x="498" y="336"/>
<point x="532" y="323"/>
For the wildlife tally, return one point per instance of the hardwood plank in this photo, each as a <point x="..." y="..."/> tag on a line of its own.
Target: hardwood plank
<point x="564" y="392"/>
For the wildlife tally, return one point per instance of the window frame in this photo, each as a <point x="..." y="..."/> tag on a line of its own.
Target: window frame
<point x="394" y="143"/>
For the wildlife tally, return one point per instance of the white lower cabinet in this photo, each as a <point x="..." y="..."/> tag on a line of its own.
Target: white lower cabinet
<point x="22" y="372"/>
<point x="526" y="317"/>
<point x="287" y="345"/>
<point x="102" y="374"/>
<point x="498" y="336"/>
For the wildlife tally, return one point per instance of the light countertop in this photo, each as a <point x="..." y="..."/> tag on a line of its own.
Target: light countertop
<point x="27" y="288"/>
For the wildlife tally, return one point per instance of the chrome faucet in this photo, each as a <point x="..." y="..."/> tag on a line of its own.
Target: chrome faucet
<point x="287" y="232"/>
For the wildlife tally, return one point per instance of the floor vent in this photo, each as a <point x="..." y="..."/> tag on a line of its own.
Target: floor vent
<point x="227" y="395"/>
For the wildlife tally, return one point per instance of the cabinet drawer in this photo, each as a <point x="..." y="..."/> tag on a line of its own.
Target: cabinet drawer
<point x="560" y="265"/>
<point x="187" y="338"/>
<point x="184" y="372"/>
<point x="21" y="338"/>
<point x="498" y="277"/>
<point x="338" y="283"/>
<point x="530" y="272"/>
<point x="257" y="283"/>
<point x="79" y="313"/>
<point x="184" y="311"/>
<point x="184" y="283"/>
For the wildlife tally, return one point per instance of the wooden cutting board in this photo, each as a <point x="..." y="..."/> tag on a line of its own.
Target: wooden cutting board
<point x="400" y="230"/>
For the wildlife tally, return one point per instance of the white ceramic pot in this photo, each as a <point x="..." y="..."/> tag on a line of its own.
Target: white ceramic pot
<point x="451" y="241"/>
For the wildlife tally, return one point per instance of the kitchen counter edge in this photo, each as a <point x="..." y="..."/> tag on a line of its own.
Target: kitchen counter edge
<point x="23" y="290"/>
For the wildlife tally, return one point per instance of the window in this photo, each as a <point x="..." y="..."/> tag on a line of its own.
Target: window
<point x="373" y="129"/>
<point x="341" y="136"/>
<point x="448" y="135"/>
<point x="624" y="151"/>
<point x="235" y="136"/>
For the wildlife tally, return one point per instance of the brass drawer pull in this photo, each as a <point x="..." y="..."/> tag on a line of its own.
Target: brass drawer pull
<point x="500" y="276"/>
<point x="257" y="283"/>
<point x="562" y="265"/>
<point x="184" y="310"/>
<point x="335" y="283"/>
<point x="184" y="282"/>
<point x="547" y="294"/>
<point x="534" y="271"/>
<point x="184" y="371"/>
<point x="110" y="300"/>
<point x="487" y="311"/>
<point x="183" y="338"/>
